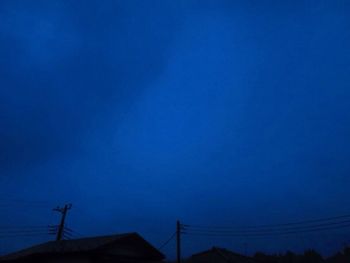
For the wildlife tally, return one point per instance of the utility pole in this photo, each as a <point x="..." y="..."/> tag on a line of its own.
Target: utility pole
<point x="63" y="211"/>
<point x="178" y="241"/>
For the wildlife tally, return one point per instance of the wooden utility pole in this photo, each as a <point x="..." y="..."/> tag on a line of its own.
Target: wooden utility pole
<point x="63" y="211"/>
<point x="178" y="241"/>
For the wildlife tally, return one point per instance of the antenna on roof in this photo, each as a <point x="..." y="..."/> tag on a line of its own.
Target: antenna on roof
<point x="63" y="211"/>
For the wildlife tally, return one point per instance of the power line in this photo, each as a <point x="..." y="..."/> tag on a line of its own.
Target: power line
<point x="22" y="227"/>
<point x="265" y="232"/>
<point x="300" y="228"/>
<point x="24" y="231"/>
<point x="72" y="232"/>
<point x="305" y="222"/>
<point x="306" y="226"/>
<point x="53" y="230"/>
<point x="167" y="241"/>
<point x="67" y="237"/>
<point x="24" y="235"/>
<point x="19" y="233"/>
<point x="77" y="234"/>
<point x="66" y="232"/>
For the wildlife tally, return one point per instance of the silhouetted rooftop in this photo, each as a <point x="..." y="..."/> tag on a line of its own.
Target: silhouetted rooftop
<point x="224" y="254"/>
<point x="90" y="244"/>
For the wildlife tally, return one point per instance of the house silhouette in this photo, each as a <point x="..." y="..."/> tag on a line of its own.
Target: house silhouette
<point x="123" y="248"/>
<point x="219" y="255"/>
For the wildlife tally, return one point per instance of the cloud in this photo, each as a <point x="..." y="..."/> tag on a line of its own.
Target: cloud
<point x="65" y="64"/>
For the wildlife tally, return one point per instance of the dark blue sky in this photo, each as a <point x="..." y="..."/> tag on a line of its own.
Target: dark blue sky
<point x="141" y="113"/>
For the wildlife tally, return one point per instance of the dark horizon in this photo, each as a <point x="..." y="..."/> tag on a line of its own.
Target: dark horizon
<point x="219" y="113"/>
<point x="214" y="236"/>
<point x="339" y="222"/>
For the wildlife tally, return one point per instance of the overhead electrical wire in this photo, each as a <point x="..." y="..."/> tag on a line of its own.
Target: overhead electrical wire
<point x="330" y="223"/>
<point x="22" y="227"/>
<point x="272" y="225"/>
<point x="296" y="228"/>
<point x="167" y="241"/>
<point x="24" y="235"/>
<point x="26" y="231"/>
<point x="264" y="233"/>
<point x="19" y="230"/>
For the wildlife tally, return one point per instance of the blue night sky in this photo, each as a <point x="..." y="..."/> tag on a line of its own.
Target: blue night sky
<point x="144" y="112"/>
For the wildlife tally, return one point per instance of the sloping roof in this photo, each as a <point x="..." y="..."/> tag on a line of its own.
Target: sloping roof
<point x="225" y="254"/>
<point x="89" y="244"/>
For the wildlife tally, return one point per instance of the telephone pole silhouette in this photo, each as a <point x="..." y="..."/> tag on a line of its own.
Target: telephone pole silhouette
<point x="178" y="241"/>
<point x="63" y="211"/>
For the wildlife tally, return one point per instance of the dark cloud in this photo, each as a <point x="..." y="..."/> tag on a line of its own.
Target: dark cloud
<point x="64" y="63"/>
<point x="211" y="112"/>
